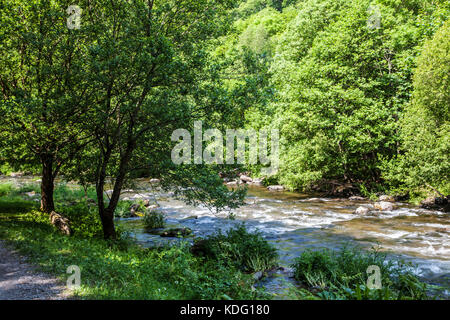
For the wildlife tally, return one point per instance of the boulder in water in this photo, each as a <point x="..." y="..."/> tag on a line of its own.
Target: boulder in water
<point x="383" y="206"/>
<point x="362" y="211"/>
<point x="438" y="203"/>
<point x="246" y="179"/>
<point x="386" y="198"/>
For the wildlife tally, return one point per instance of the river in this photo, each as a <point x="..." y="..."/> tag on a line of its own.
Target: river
<point x="294" y="222"/>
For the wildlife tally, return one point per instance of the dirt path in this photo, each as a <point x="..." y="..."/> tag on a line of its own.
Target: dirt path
<point x="20" y="280"/>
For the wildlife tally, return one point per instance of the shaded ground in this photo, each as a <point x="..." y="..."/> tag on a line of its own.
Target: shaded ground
<point x="21" y="281"/>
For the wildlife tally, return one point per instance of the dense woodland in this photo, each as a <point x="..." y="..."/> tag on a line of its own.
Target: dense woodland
<point x="359" y="91"/>
<point x="353" y="103"/>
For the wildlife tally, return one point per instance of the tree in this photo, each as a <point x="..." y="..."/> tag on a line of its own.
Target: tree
<point x="342" y="86"/>
<point x="43" y="93"/>
<point x="148" y="71"/>
<point x="426" y="122"/>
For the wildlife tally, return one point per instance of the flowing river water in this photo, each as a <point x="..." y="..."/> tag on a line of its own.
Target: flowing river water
<point x="294" y="222"/>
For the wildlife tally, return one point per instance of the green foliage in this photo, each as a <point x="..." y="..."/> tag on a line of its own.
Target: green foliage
<point x="425" y="126"/>
<point x="12" y="199"/>
<point x="123" y="209"/>
<point x="154" y="219"/>
<point x="343" y="275"/>
<point x="84" y="220"/>
<point x="5" y="188"/>
<point x="249" y="252"/>
<point x="342" y="87"/>
<point x="202" y="185"/>
<point x="42" y="104"/>
<point x="336" y="88"/>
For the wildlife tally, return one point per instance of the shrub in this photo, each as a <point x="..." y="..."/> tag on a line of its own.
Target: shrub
<point x="5" y="188"/>
<point x="246" y="251"/>
<point x="84" y="220"/>
<point x="343" y="275"/>
<point x="123" y="209"/>
<point x="154" y="219"/>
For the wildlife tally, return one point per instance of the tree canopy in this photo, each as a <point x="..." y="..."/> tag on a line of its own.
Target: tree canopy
<point x="358" y="89"/>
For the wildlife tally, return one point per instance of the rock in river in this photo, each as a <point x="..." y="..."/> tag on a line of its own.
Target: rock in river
<point x="386" y="198"/>
<point x="439" y="203"/>
<point x="356" y="198"/>
<point x="362" y="210"/>
<point x="245" y="179"/>
<point x="384" y="206"/>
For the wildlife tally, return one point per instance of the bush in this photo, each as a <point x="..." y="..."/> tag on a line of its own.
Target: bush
<point x="246" y="251"/>
<point x="154" y="219"/>
<point x="123" y="209"/>
<point x="84" y="220"/>
<point x="343" y="275"/>
<point x="5" y="188"/>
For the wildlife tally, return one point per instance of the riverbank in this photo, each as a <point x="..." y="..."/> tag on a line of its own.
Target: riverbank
<point x="291" y="222"/>
<point x="121" y="269"/>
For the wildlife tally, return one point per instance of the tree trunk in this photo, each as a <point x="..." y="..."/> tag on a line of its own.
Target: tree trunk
<point x="109" y="231"/>
<point x="47" y="185"/>
<point x="106" y="215"/>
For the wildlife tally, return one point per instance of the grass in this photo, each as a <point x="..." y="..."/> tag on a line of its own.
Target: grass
<point x="344" y="274"/>
<point x="5" y="188"/>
